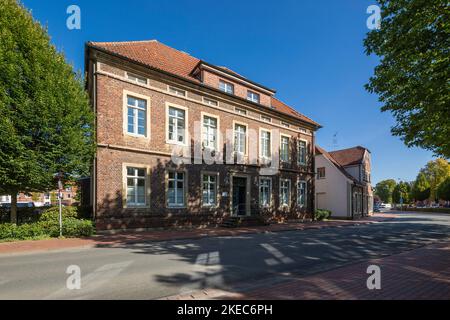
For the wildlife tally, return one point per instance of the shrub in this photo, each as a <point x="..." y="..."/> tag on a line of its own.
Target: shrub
<point x="52" y="214"/>
<point x="21" y="232"/>
<point x="322" y="214"/>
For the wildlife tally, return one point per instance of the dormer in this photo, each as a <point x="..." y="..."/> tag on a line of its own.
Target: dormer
<point x="232" y="83"/>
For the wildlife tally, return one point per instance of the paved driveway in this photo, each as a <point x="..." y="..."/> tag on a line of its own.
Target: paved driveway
<point x="157" y="269"/>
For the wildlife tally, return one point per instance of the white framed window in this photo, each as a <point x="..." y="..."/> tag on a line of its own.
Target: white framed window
<point x="209" y="126"/>
<point x="301" y="152"/>
<point x="176" y="129"/>
<point x="321" y="173"/>
<point x="301" y="194"/>
<point x="284" y="149"/>
<point x="265" y="144"/>
<point x="265" y="192"/>
<point x="240" y="138"/>
<point x="252" y="96"/>
<point x="285" y="124"/>
<point x="210" y="102"/>
<point x="240" y="111"/>
<point x="136" y="116"/>
<point x="136" y="186"/>
<point x="135" y="78"/>
<point x="226" y="87"/>
<point x="176" y="185"/>
<point x="176" y="91"/>
<point x="209" y="190"/>
<point x="285" y="192"/>
<point x="266" y="118"/>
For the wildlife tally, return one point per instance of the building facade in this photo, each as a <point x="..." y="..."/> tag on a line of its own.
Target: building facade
<point x="343" y="182"/>
<point x="181" y="142"/>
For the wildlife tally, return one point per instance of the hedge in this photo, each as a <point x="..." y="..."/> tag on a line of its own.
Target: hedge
<point x="437" y="210"/>
<point x="320" y="214"/>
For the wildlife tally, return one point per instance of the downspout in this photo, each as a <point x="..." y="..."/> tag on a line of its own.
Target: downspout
<point x="313" y="180"/>
<point x="94" y="169"/>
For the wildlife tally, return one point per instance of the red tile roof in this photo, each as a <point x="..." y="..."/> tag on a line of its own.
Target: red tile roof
<point x="338" y="165"/>
<point x="348" y="157"/>
<point x="162" y="57"/>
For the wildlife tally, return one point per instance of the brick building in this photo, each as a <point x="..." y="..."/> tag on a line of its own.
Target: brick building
<point x="183" y="142"/>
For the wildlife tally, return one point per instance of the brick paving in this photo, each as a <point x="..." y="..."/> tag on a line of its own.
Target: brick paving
<point x="420" y="274"/>
<point x="121" y="238"/>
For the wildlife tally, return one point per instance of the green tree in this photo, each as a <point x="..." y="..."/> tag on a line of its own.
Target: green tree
<point x="384" y="188"/>
<point x="420" y="190"/>
<point x="401" y="192"/>
<point x="443" y="191"/>
<point x="412" y="78"/>
<point x="46" y="123"/>
<point x="436" y="172"/>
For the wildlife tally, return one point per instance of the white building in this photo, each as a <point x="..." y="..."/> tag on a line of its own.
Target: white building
<point x="343" y="182"/>
<point x="5" y="199"/>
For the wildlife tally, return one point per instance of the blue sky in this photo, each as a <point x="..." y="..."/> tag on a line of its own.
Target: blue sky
<point x="311" y="52"/>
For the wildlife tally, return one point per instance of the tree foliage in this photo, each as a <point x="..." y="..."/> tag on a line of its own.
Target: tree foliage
<point x="46" y="124"/>
<point x="384" y="188"/>
<point x="401" y="193"/>
<point x="443" y="191"/>
<point x="413" y="76"/>
<point x="420" y="190"/>
<point x="436" y="172"/>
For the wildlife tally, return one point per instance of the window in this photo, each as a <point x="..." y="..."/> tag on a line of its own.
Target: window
<point x="136" y="78"/>
<point x="252" y="96"/>
<point x="285" y="124"/>
<point x="135" y="186"/>
<point x="241" y="111"/>
<point x="321" y="173"/>
<point x="284" y="149"/>
<point x="301" y="152"/>
<point x="177" y="91"/>
<point x="265" y="144"/>
<point x="240" y="138"/>
<point x="301" y="194"/>
<point x="176" y="185"/>
<point x="210" y="102"/>
<point x="226" y="87"/>
<point x="285" y="192"/>
<point x="137" y="115"/>
<point x="266" y="119"/>
<point x="209" y="190"/>
<point x="303" y="130"/>
<point x="265" y="191"/>
<point x="209" y="132"/>
<point x="177" y="125"/>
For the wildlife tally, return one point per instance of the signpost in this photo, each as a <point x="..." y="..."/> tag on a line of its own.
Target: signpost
<point x="60" y="187"/>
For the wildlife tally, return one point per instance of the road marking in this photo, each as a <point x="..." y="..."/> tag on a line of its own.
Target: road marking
<point x="277" y="254"/>
<point x="91" y="281"/>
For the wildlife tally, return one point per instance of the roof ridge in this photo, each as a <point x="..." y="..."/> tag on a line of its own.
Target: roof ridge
<point x="124" y="42"/>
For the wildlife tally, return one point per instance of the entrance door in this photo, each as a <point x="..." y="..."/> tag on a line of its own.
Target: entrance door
<point x="239" y="196"/>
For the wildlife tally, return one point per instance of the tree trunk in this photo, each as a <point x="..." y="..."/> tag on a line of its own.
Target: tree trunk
<point x="14" y="207"/>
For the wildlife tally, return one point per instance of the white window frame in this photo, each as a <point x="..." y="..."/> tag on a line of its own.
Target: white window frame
<point x="266" y="118"/>
<point x="261" y="179"/>
<point x="225" y="86"/>
<point x="186" y="124"/>
<point x="175" y="182"/>
<point x="240" y="111"/>
<point x="210" y="102"/>
<point x="324" y="173"/>
<point x="175" y="91"/>
<point x="285" y="124"/>
<point x="217" y="136"/>
<point x="125" y="95"/>
<point x="299" y="162"/>
<point x="242" y="124"/>
<point x="133" y="77"/>
<point x="288" y="148"/>
<point x="261" y="151"/>
<point x="288" y="204"/>
<point x="216" y="188"/>
<point x="125" y="203"/>
<point x="253" y="96"/>
<point x="299" y="202"/>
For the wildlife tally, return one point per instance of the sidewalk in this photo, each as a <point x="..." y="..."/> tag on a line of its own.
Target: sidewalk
<point x="111" y="240"/>
<point x="420" y="274"/>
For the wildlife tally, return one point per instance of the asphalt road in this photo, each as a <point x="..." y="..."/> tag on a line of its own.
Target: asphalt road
<point x="156" y="269"/>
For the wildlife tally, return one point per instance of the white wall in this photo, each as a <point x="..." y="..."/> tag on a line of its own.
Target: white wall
<point x="333" y="188"/>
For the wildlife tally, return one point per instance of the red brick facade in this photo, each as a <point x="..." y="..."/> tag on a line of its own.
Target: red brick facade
<point x="109" y="86"/>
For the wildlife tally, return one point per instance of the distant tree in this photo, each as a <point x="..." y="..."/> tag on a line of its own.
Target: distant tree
<point x="412" y="77"/>
<point x="46" y="123"/>
<point x="384" y="188"/>
<point x="401" y="192"/>
<point x="443" y="191"/>
<point x="35" y="196"/>
<point x="436" y="172"/>
<point x="420" y="190"/>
